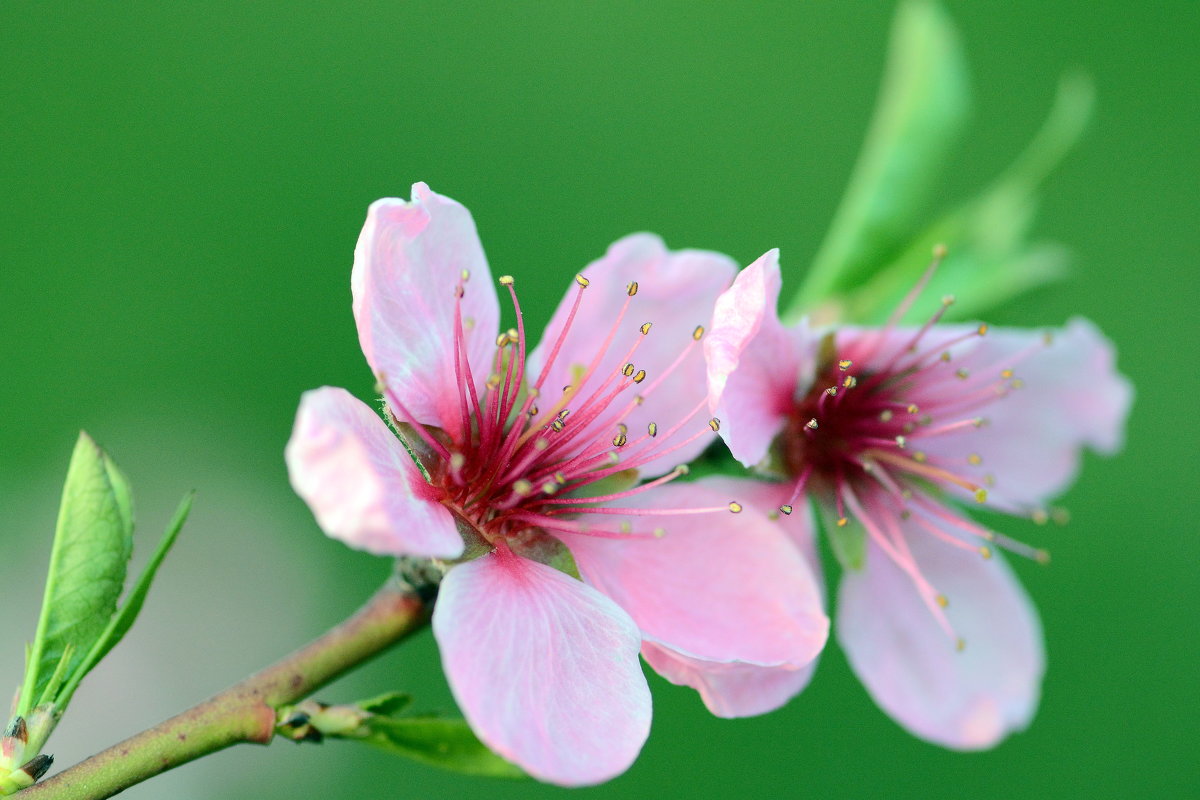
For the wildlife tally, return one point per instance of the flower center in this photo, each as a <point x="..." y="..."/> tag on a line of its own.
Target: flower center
<point x="528" y="456"/>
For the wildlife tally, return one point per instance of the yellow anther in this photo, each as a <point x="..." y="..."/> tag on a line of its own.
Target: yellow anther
<point x="1048" y="338"/>
<point x="912" y="408"/>
<point x="906" y="494"/>
<point x="457" y="460"/>
<point x="811" y="424"/>
<point x="533" y="411"/>
<point x="908" y="427"/>
<point x="540" y="444"/>
<point x="975" y="459"/>
<point x="652" y="429"/>
<point x="659" y="533"/>
<point x="735" y="507"/>
<point x="582" y="281"/>
<point x="981" y="495"/>
<point x="960" y="645"/>
<point x="619" y="440"/>
<point x="638" y="399"/>
<point x="948" y="300"/>
<point x="613" y="458"/>
<point x="982" y="330"/>
<point x="831" y="391"/>
<point x="919" y="456"/>
<point x="774" y="515"/>
<point x="885" y="416"/>
<point x="942" y="600"/>
<point x="698" y="333"/>
<point x="522" y="487"/>
<point x="945" y="356"/>
<point x="622" y="427"/>
<point x="560" y="478"/>
<point x="841" y="523"/>
<point x="627" y="370"/>
<point x="850" y="382"/>
<point x="1006" y="374"/>
<point x="469" y="323"/>
<point x="557" y="425"/>
<point x="682" y="469"/>
<point x="985" y="551"/>
<point x="493" y="381"/>
<point x="786" y="509"/>
<point x="640" y="376"/>
<point x="514" y="335"/>
<point x="549" y="487"/>
<point x="645" y="328"/>
<point x="962" y="374"/>
<point x="502" y="339"/>
<point x="1017" y="383"/>
<point x="1060" y="516"/>
<point x="979" y="422"/>
<point x="631" y="289"/>
<point x="506" y="280"/>
<point x="901" y="441"/>
<point x="939" y="251"/>
<point x="465" y="275"/>
<point x="1040" y="517"/>
<point x="625" y="527"/>
<point x="563" y="414"/>
<point x="715" y="424"/>
<point x="845" y="364"/>
<point x="1042" y="557"/>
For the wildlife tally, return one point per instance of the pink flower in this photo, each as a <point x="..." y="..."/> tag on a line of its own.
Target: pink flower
<point x="544" y="665"/>
<point x="887" y="430"/>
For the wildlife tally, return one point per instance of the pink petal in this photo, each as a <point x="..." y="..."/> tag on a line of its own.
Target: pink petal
<point x="754" y="364"/>
<point x="720" y="598"/>
<point x="676" y="292"/>
<point x="966" y="700"/>
<point x="360" y="482"/>
<point x="408" y="262"/>
<point x="544" y="667"/>
<point x="1033" y="440"/>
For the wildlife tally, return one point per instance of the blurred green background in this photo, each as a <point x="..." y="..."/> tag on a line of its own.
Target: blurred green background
<point x="183" y="184"/>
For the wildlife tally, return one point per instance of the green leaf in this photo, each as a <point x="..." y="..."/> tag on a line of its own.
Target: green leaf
<point x="92" y="544"/>
<point x="847" y="541"/>
<point x="990" y="259"/>
<point x="919" y="116"/>
<point x="387" y="703"/>
<point x="120" y="623"/>
<point x="446" y="743"/>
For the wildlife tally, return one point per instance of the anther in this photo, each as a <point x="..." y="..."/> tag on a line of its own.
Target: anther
<point x="560" y="478"/>
<point x="982" y="330"/>
<point x="698" y="334"/>
<point x="638" y="399"/>
<point x="735" y="507"/>
<point x="901" y="441"/>
<point x="459" y="292"/>
<point x="962" y="374"/>
<point x="522" y="487"/>
<point x="506" y="280"/>
<point x="919" y="456"/>
<point x="557" y="425"/>
<point x="850" y="382"/>
<point x="540" y="444"/>
<point x="981" y="495"/>
<point x="811" y="424"/>
<point x="948" y="300"/>
<point x="786" y="509"/>
<point x="912" y="408"/>
<point x="582" y="281"/>
<point x="659" y="533"/>
<point x="632" y="288"/>
<point x="831" y="391"/>
<point x="1040" y="517"/>
<point x="885" y="416"/>
<point x="533" y="411"/>
<point x="627" y="370"/>
<point x="625" y="527"/>
<point x="1017" y="383"/>
<point x="619" y="440"/>
<point x="960" y="645"/>
<point x="841" y="523"/>
<point x="652" y="429"/>
<point x="682" y="469"/>
<point x="715" y="424"/>
<point x="1042" y="557"/>
<point x="465" y="275"/>
<point x="845" y="364"/>
<point x="622" y="427"/>
<point x="493" y="381"/>
<point x="985" y="551"/>
<point x="457" y="460"/>
<point x="939" y="251"/>
<point x="645" y="328"/>
<point x="975" y="459"/>
<point x="942" y="600"/>
<point x="640" y="376"/>
<point x="549" y="487"/>
<point x="563" y="414"/>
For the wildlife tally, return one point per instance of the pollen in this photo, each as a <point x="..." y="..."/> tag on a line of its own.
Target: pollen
<point x="640" y="376"/>
<point x="582" y="281"/>
<point x="632" y="288"/>
<point x="715" y="424"/>
<point x="698" y="334"/>
<point x="652" y="429"/>
<point x="845" y="364"/>
<point x="645" y="328"/>
<point x="735" y="507"/>
<point x="506" y="280"/>
<point x="557" y="425"/>
<point x="627" y="370"/>
<point x="619" y="440"/>
<point x="786" y="509"/>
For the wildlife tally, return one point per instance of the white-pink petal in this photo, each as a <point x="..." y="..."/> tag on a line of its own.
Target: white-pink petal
<point x="754" y="363"/>
<point x="724" y="600"/>
<point x="676" y="292"/>
<point x="360" y="482"/>
<point x="544" y="668"/>
<point x="409" y="260"/>
<point x="968" y="699"/>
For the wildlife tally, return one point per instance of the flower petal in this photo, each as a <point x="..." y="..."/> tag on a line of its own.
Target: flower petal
<point x="544" y="667"/>
<point x="408" y="262"/>
<point x="966" y="700"/>
<point x="718" y="593"/>
<point x="1071" y="395"/>
<point x="360" y="482"/>
<point x="676" y="292"/>
<point x="754" y="363"/>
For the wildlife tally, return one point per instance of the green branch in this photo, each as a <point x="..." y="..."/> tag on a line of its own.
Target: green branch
<point x="245" y="713"/>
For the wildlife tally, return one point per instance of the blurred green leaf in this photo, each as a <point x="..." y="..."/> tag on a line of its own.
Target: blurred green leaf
<point x="919" y="115"/>
<point x="446" y="743"/>
<point x="92" y="544"/>
<point x="990" y="259"/>
<point x="386" y="704"/>
<point x="120" y="624"/>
